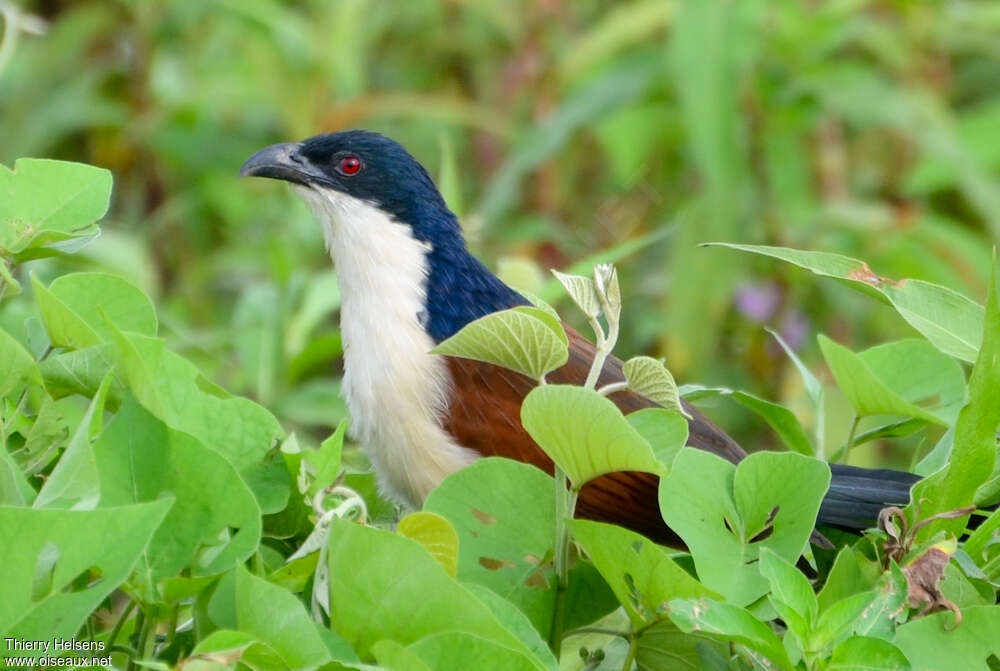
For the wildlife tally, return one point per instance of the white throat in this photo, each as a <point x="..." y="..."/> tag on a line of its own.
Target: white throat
<point x="397" y="392"/>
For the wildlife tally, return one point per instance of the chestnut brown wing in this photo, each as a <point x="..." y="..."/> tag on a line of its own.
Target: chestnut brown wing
<point x="485" y="415"/>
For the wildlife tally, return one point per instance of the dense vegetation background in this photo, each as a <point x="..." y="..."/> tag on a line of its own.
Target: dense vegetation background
<point x="559" y="131"/>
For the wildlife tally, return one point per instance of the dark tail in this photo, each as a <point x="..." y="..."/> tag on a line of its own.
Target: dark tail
<point x="858" y="494"/>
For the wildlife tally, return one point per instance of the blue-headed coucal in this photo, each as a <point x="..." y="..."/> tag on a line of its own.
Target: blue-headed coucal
<point x="407" y="283"/>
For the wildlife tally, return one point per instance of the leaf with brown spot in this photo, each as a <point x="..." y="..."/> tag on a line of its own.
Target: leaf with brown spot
<point x="491" y="564"/>
<point x="485" y="518"/>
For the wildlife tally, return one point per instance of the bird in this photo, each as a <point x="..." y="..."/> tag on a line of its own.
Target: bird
<point x="408" y="282"/>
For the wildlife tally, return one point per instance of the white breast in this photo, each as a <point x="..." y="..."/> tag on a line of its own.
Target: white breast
<point x="396" y="391"/>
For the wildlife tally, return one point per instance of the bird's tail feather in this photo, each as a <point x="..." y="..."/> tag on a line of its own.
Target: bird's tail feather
<point x="857" y="495"/>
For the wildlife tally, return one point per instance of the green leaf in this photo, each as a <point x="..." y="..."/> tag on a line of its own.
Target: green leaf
<point x="839" y="620"/>
<point x="50" y="540"/>
<point x="79" y="371"/>
<point x="276" y="617"/>
<point x="726" y="513"/>
<point x="242" y="431"/>
<point x="581" y="289"/>
<point x="869" y="394"/>
<point x="851" y="573"/>
<point x="396" y="657"/>
<point x="813" y="386"/>
<point x="372" y="599"/>
<point x="461" y="650"/>
<point x="859" y="653"/>
<point x="949" y="320"/>
<point x="73" y="482"/>
<point x="17" y="366"/>
<point x="15" y="490"/>
<point x="789" y="586"/>
<point x="215" y="520"/>
<point x="650" y="378"/>
<point x="325" y="462"/>
<point x="933" y="642"/>
<point x="879" y="618"/>
<point x="664" y="647"/>
<point x="641" y="574"/>
<point x="584" y="433"/>
<point x="44" y="203"/>
<point x="512" y="618"/>
<point x="436" y="534"/>
<point x="99" y="298"/>
<point x="527" y="340"/>
<point x="975" y="442"/>
<point x="729" y="623"/>
<point x="666" y="431"/>
<point x="504" y="513"/>
<point x="781" y="419"/>
<point x="65" y="327"/>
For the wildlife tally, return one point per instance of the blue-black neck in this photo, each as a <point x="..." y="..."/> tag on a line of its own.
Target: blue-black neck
<point x="460" y="289"/>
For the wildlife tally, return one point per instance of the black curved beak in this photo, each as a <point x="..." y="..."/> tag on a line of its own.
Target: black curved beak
<point x="282" y="161"/>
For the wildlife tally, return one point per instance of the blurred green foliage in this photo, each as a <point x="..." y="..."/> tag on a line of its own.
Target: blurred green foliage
<point x="560" y="130"/>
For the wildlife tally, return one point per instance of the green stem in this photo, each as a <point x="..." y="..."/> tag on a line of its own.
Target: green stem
<point x="120" y="623"/>
<point x="633" y="649"/>
<point x="138" y="633"/>
<point x="172" y="623"/>
<point x="844" y="451"/>
<point x="565" y="507"/>
<point x="821" y="425"/>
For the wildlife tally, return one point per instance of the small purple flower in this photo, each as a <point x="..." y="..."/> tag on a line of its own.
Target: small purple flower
<point x="758" y="302"/>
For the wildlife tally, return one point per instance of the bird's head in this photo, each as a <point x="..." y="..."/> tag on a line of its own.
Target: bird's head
<point x="386" y="223"/>
<point x="357" y="166"/>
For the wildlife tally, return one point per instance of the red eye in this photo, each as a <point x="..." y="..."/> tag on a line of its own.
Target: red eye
<point x="350" y="165"/>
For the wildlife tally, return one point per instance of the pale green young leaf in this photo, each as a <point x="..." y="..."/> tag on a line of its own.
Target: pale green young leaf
<point x="609" y="292"/>
<point x="729" y="623"/>
<point x="949" y="320"/>
<point x="44" y="203"/>
<point x="666" y="431"/>
<point x="581" y="289"/>
<point x="584" y="433"/>
<point x="650" y="378"/>
<point x="526" y="340"/>
<point x="436" y="534"/>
